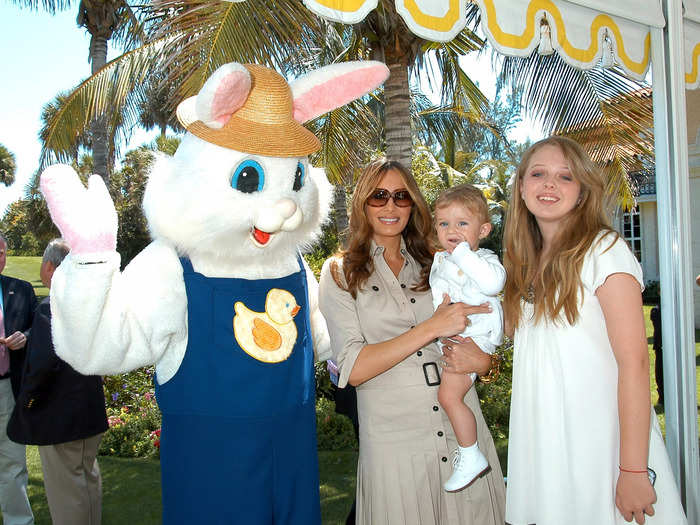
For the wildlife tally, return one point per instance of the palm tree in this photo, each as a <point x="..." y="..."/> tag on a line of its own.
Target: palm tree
<point x="103" y="19"/>
<point x="8" y="166"/>
<point x="155" y="108"/>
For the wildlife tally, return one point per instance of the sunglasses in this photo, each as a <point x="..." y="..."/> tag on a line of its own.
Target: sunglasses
<point x="380" y="197"/>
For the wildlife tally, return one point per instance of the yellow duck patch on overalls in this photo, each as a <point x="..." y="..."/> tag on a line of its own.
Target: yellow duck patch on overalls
<point x="267" y="336"/>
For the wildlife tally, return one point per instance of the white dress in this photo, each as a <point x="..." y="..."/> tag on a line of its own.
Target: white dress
<point x="563" y="450"/>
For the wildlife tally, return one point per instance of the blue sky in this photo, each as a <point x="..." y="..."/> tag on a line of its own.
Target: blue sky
<point x="43" y="55"/>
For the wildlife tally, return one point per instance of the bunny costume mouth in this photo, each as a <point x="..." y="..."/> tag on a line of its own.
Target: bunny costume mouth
<point x="260" y="238"/>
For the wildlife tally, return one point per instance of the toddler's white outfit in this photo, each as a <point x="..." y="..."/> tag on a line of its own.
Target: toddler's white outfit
<point x="472" y="277"/>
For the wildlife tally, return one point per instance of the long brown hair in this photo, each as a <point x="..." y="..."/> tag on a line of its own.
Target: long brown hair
<point x="557" y="284"/>
<point x="357" y="262"/>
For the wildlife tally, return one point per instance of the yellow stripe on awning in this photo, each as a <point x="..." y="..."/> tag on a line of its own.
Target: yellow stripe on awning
<point x="580" y="35"/>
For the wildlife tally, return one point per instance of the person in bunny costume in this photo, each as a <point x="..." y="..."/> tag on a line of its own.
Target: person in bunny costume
<point x="221" y="301"/>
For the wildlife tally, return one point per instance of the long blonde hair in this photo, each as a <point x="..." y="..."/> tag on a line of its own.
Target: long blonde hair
<point x="357" y="262"/>
<point x="557" y="285"/>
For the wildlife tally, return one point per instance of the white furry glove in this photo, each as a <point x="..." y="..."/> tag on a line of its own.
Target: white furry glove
<point x="86" y="217"/>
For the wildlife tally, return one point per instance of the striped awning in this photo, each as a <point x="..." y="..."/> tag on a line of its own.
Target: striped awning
<point x="585" y="33"/>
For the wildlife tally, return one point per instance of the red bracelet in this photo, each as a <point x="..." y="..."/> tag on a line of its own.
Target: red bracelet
<point x="632" y="471"/>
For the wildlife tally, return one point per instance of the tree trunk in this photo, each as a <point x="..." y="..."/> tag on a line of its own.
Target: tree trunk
<point x="397" y="111"/>
<point x="340" y="212"/>
<point x="100" y="136"/>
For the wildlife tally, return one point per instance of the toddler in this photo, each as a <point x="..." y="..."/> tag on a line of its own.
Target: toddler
<point x="473" y="276"/>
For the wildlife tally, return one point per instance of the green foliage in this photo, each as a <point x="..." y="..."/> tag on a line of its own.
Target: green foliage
<point x="132" y="433"/>
<point x="127" y="187"/>
<point x="30" y="246"/>
<point x="129" y="389"/>
<point x="334" y="431"/>
<point x="8" y="166"/>
<point x="323" y="248"/>
<point x="652" y="292"/>
<point x="495" y="397"/>
<point x="324" y="387"/>
<point x="27" y="226"/>
<point x="133" y="415"/>
<point x="167" y="145"/>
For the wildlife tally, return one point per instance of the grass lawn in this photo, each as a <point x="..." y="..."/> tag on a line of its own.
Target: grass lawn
<point x="27" y="269"/>
<point x="131" y="487"/>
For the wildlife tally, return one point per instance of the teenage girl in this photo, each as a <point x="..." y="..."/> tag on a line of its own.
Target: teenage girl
<point x="585" y="446"/>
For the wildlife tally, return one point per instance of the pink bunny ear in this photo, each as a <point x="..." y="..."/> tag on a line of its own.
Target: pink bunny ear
<point x="222" y="94"/>
<point x="333" y="86"/>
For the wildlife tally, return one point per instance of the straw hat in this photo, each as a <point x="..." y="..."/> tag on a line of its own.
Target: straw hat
<point x="264" y="125"/>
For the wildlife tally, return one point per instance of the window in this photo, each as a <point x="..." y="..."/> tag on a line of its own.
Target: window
<point x="632" y="231"/>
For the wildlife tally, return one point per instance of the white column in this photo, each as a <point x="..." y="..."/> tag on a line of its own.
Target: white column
<point x="677" y="281"/>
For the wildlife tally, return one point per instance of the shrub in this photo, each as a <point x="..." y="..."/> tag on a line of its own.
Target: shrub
<point x="324" y="387"/>
<point x="652" y="292"/>
<point x="334" y="431"/>
<point x="133" y="433"/>
<point x="133" y="415"/>
<point x="495" y="397"/>
<point x="128" y="389"/>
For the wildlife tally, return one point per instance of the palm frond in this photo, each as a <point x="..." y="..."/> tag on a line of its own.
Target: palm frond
<point x="50" y="6"/>
<point x="210" y="34"/>
<point x="112" y="89"/>
<point x="347" y="135"/>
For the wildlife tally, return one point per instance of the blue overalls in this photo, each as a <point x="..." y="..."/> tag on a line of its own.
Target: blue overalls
<point x="238" y="441"/>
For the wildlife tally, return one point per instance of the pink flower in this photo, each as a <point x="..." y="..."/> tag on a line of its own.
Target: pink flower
<point x="113" y="421"/>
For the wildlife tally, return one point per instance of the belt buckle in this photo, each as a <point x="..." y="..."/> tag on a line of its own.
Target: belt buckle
<point x="427" y="373"/>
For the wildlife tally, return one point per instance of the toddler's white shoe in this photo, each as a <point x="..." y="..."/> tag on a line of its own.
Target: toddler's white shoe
<point x="469" y="463"/>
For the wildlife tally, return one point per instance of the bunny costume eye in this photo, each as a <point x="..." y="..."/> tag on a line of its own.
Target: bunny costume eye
<point x="299" y="176"/>
<point x="249" y="177"/>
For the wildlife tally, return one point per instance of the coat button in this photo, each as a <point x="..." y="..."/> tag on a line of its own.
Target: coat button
<point x="440" y="433"/>
<point x="403" y="285"/>
<point x="375" y="288"/>
<point x="419" y="353"/>
<point x="444" y="459"/>
<point x="436" y="408"/>
<point x="413" y="299"/>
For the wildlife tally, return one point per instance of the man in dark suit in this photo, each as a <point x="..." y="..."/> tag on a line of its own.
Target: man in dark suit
<point x="17" y="305"/>
<point x="63" y="412"/>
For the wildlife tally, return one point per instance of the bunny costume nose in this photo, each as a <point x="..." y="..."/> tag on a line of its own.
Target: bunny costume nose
<point x="283" y="215"/>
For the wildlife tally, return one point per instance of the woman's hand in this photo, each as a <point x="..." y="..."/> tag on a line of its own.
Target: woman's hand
<point x="451" y="318"/>
<point x="463" y="356"/>
<point x="634" y="496"/>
